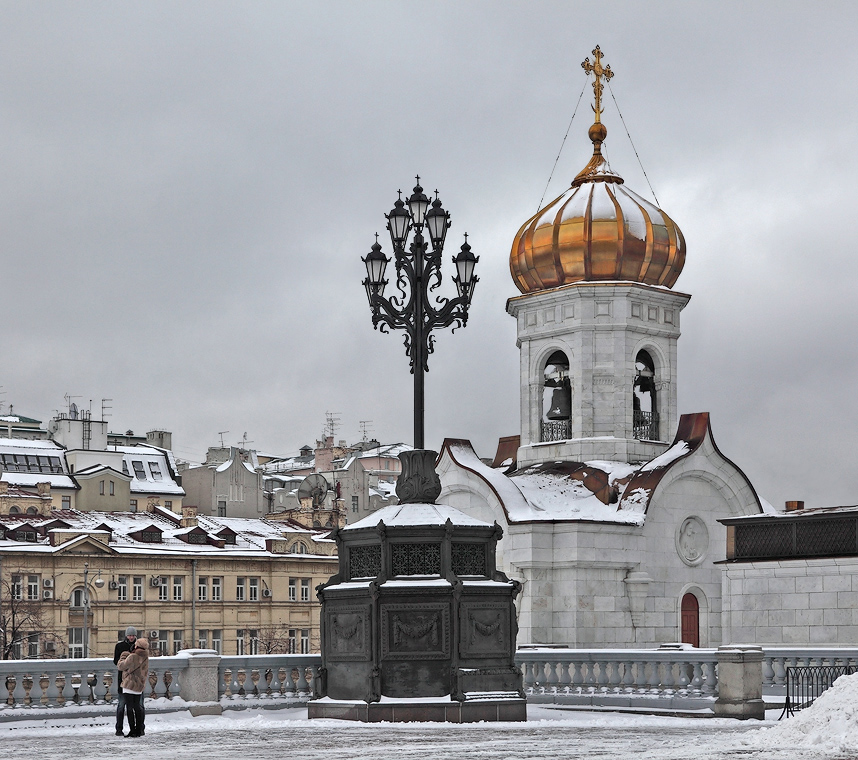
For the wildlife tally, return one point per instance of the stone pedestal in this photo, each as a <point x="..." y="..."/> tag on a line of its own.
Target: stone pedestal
<point x="740" y="682"/>
<point x="418" y="624"/>
<point x="200" y="681"/>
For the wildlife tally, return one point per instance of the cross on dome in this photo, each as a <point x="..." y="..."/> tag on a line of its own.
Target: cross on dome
<point x="599" y="71"/>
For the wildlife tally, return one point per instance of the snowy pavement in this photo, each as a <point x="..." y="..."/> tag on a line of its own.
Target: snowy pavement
<point x="548" y="734"/>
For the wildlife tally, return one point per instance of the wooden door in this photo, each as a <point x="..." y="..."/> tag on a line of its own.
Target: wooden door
<point x="690" y="620"/>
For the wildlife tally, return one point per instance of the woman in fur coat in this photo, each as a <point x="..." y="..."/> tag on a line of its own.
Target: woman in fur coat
<point x="135" y="673"/>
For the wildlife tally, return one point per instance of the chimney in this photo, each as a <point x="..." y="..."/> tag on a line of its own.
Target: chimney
<point x="793" y="506"/>
<point x="189" y="517"/>
<point x="43" y="489"/>
<point x="325" y="456"/>
<point x="4" y="486"/>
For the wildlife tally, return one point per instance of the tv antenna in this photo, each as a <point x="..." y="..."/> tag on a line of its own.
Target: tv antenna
<point x="332" y="422"/>
<point x="222" y="433"/>
<point x="106" y="408"/>
<point x="243" y="442"/>
<point x="365" y="427"/>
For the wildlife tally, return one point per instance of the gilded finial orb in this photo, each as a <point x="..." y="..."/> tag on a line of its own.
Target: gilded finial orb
<point x="598" y="229"/>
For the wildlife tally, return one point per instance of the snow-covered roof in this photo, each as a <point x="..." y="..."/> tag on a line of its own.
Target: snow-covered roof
<point x="416" y="514"/>
<point x="154" y="480"/>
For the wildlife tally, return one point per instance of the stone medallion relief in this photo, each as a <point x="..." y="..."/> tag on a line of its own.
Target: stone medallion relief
<point x="692" y="540"/>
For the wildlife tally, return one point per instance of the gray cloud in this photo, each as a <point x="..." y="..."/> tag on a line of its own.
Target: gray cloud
<point x="187" y="189"/>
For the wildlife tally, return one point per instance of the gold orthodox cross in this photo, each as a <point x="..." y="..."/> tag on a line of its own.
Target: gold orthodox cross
<point x="599" y="71"/>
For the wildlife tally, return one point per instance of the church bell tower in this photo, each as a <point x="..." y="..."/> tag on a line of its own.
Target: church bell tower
<point x="598" y="321"/>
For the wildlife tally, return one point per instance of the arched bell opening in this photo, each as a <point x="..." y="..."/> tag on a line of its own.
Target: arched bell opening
<point x="556" y="399"/>
<point x="644" y="399"/>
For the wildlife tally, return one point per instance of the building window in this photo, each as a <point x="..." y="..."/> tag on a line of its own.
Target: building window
<point x="254" y="642"/>
<point x="137" y="589"/>
<point x="299" y="547"/>
<point x="253" y="589"/>
<point x="151" y="536"/>
<point x="155" y="470"/>
<point x="101" y="487"/>
<point x="305" y="589"/>
<point x="66" y="502"/>
<point x="132" y="505"/>
<point x="33" y="645"/>
<point x="221" y="509"/>
<point x="124" y="467"/>
<point x="112" y="489"/>
<point x="14" y="510"/>
<point x="122" y="589"/>
<point x="177" y="641"/>
<point x="162" y="642"/>
<point x="196" y="538"/>
<point x="203" y="589"/>
<point x="293" y="590"/>
<point x="203" y="639"/>
<point x="239" y="642"/>
<point x="239" y="589"/>
<point x="164" y="591"/>
<point x="168" y="504"/>
<point x="305" y="641"/>
<point x="293" y="641"/>
<point x="77" y="597"/>
<point x="217" y="586"/>
<point x="216" y="641"/>
<point x="354" y="504"/>
<point x="177" y="588"/>
<point x="139" y="472"/>
<point x="33" y="587"/>
<point x="17" y="587"/>
<point x="76" y="643"/>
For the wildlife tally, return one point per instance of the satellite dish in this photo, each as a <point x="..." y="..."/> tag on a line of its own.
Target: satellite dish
<point x="72" y="411"/>
<point x="314" y="487"/>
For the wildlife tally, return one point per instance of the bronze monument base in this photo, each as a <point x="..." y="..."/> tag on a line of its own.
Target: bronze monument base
<point x="412" y="711"/>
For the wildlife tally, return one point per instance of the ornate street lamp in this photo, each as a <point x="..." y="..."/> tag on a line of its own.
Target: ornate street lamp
<point x="418" y="273"/>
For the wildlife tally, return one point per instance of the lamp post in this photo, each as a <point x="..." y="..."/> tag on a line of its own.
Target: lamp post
<point x="98" y="583"/>
<point x="418" y="273"/>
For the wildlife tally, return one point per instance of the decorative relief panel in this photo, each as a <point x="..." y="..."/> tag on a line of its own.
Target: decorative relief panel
<point x="530" y="319"/>
<point x="637" y="310"/>
<point x="603" y="308"/>
<point x="416" y="559"/>
<point x="469" y="559"/>
<point x="568" y="311"/>
<point x="348" y="633"/>
<point x="692" y="540"/>
<point x="652" y="313"/>
<point x="668" y="316"/>
<point x="415" y="631"/>
<point x="548" y="316"/>
<point x="485" y="630"/>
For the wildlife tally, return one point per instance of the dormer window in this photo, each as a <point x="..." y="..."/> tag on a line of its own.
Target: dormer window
<point x="139" y="472"/>
<point x="124" y="467"/>
<point x="155" y="470"/>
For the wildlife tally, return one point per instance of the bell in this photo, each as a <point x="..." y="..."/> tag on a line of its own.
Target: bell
<point x="561" y="404"/>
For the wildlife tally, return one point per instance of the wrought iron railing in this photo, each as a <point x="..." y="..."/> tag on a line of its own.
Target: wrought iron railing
<point x="556" y="430"/>
<point x="645" y="425"/>
<point x="804" y="684"/>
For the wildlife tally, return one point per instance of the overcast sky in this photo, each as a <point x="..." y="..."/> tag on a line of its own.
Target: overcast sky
<point x="187" y="189"/>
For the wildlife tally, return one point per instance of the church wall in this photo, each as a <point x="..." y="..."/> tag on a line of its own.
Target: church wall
<point x="788" y="602"/>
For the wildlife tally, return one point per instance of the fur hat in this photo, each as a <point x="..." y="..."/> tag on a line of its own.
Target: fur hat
<point x="130" y="631"/>
<point x="142" y="643"/>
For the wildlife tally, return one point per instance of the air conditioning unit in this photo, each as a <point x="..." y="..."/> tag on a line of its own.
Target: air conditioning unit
<point x="266" y="592"/>
<point x="155" y="581"/>
<point x="48" y="583"/>
<point x="50" y="646"/>
<point x="48" y="594"/>
<point x="153" y="634"/>
<point x="113" y="585"/>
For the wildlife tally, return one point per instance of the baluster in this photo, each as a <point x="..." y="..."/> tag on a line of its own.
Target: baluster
<point x="602" y="680"/>
<point x="590" y="676"/>
<point x="615" y="679"/>
<point x="254" y="679"/>
<point x="107" y="680"/>
<point x="577" y="672"/>
<point x="27" y="683"/>
<point x="44" y="687"/>
<point x="90" y="681"/>
<point x="11" y="682"/>
<point x="552" y="680"/>
<point x="768" y="672"/>
<point x="684" y="670"/>
<point x="269" y="678"/>
<point x="565" y="680"/>
<point x="168" y="679"/>
<point x="61" y="684"/>
<point x="654" y="680"/>
<point x="710" y="683"/>
<point x="669" y="680"/>
<point x="241" y="677"/>
<point x="287" y="683"/>
<point x="627" y="685"/>
<point x="314" y="674"/>
<point x="153" y="682"/>
<point x="779" y="671"/>
<point x="696" y="685"/>
<point x="226" y="682"/>
<point x="303" y="686"/>
<point x="75" y="684"/>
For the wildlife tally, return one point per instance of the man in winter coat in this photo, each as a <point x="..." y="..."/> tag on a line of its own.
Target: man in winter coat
<point x="126" y="645"/>
<point x="135" y="672"/>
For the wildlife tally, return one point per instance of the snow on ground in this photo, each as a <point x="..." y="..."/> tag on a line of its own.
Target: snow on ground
<point x="830" y="724"/>
<point x="549" y="733"/>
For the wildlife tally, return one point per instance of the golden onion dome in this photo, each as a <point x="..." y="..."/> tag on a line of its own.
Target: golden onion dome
<point x="597" y="230"/>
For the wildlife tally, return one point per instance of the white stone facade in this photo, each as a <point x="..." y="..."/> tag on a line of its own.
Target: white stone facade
<point x="795" y="601"/>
